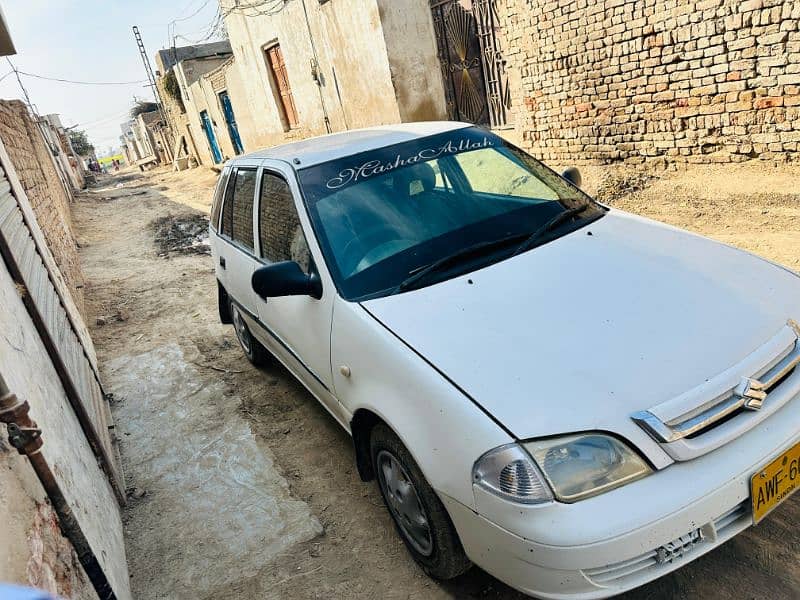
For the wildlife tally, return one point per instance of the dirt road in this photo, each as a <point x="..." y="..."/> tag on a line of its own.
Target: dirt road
<point x="150" y="306"/>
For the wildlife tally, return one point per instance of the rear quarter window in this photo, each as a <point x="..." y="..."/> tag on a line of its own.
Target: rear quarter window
<point x="237" y="209"/>
<point x="219" y="192"/>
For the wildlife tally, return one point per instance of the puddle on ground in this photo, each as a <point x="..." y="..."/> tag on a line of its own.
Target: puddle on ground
<point x="216" y="510"/>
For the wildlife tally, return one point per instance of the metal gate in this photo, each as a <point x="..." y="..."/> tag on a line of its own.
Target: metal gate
<point x="45" y="295"/>
<point x="472" y="63"/>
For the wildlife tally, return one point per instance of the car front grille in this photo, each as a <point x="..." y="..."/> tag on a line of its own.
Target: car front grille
<point x="664" y="558"/>
<point x="728" y="405"/>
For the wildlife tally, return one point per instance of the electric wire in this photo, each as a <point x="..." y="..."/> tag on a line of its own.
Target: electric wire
<point x="194" y="14"/>
<point x="102" y="120"/>
<point x="60" y="80"/>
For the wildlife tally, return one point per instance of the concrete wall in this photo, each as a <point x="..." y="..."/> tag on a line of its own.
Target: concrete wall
<point x="34" y="165"/>
<point x="681" y="80"/>
<point x="33" y="551"/>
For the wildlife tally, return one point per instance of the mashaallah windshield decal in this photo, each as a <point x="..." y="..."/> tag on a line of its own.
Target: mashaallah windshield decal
<point x="335" y="176"/>
<point x="379" y="167"/>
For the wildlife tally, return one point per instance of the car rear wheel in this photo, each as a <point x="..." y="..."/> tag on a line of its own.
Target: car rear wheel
<point x="418" y="514"/>
<point x="253" y="350"/>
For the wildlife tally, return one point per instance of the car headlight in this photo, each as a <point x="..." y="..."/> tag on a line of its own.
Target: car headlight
<point x="509" y="472"/>
<point x="584" y="465"/>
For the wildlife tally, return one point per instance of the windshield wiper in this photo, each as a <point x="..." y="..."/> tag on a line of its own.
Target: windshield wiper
<point x="559" y="219"/>
<point x="451" y="259"/>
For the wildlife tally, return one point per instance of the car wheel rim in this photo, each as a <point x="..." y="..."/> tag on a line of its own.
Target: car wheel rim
<point x="242" y="334"/>
<point x="404" y="503"/>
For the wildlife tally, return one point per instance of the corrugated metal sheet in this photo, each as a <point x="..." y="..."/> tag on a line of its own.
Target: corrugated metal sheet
<point x="50" y="312"/>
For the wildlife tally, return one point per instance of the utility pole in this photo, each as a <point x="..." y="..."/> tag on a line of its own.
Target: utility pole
<point x="152" y="79"/>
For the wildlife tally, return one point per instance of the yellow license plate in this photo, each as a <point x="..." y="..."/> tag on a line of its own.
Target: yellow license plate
<point x="775" y="482"/>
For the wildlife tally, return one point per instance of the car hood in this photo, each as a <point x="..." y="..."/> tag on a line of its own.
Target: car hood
<point x="581" y="332"/>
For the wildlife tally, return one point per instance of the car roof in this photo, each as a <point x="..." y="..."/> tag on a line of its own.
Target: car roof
<point x="317" y="150"/>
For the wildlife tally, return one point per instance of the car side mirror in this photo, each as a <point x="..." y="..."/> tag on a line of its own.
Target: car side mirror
<point x="285" y="279"/>
<point x="573" y="175"/>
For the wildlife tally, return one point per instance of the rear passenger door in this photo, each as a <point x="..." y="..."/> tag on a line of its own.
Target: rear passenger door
<point x="236" y="250"/>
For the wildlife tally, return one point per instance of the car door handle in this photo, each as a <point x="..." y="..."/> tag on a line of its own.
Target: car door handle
<point x="222" y="262"/>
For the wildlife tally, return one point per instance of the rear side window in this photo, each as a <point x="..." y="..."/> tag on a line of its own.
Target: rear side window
<point x="226" y="227"/>
<point x="237" y="213"/>
<point x="279" y="226"/>
<point x="219" y="192"/>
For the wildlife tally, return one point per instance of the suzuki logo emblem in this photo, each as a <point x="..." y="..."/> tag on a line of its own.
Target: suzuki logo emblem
<point x="752" y="392"/>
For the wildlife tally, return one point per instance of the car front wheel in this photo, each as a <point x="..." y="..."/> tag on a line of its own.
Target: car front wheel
<point x="418" y="514"/>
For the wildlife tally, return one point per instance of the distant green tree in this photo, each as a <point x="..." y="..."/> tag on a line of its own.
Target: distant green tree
<point x="80" y="142"/>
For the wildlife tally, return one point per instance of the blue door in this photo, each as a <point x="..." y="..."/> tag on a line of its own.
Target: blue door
<point x="212" y="139"/>
<point x="230" y="119"/>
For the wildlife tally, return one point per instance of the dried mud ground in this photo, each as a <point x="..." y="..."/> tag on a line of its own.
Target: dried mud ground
<point x="144" y="296"/>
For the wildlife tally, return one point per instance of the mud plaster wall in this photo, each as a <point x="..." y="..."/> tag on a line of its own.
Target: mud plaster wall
<point x="684" y="80"/>
<point x="355" y="88"/>
<point x="33" y="163"/>
<point x="31" y="551"/>
<point x="178" y="119"/>
<point x="413" y="59"/>
<point x="203" y="95"/>
<point x="190" y="75"/>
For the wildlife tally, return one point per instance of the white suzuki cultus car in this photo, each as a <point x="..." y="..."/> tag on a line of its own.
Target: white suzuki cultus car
<point x="576" y="399"/>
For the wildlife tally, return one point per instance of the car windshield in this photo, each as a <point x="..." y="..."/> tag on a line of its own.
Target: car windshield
<point x="385" y="215"/>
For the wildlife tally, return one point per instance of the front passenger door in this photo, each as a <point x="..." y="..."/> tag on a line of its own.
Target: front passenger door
<point x="297" y="328"/>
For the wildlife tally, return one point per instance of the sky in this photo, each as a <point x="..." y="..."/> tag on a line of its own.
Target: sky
<point x="92" y="41"/>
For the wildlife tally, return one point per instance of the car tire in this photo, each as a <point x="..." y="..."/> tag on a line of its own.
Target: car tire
<point x="252" y="348"/>
<point x="439" y="551"/>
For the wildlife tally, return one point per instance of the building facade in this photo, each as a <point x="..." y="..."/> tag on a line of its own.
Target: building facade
<point x="178" y="70"/>
<point x="307" y="68"/>
<point x="304" y="69"/>
<point x="671" y="80"/>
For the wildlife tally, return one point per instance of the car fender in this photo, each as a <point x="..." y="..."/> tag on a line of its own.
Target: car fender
<point x="444" y="430"/>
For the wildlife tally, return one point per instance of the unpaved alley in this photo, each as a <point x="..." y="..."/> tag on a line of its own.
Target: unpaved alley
<point x="242" y="486"/>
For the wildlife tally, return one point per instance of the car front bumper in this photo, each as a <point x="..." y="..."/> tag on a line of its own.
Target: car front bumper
<point x="512" y="559"/>
<point x="612" y="543"/>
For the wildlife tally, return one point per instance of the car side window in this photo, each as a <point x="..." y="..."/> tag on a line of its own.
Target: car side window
<point x="219" y="192"/>
<point x="237" y="212"/>
<point x="226" y="226"/>
<point x="280" y="232"/>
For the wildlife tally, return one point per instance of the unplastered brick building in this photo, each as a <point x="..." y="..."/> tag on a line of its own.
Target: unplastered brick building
<point x="714" y="80"/>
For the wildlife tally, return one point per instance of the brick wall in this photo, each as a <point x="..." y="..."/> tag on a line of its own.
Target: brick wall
<point x="684" y="80"/>
<point x="32" y="160"/>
